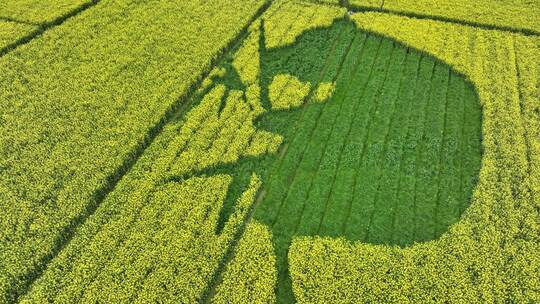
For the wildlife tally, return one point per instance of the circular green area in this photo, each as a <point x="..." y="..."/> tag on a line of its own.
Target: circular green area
<point x="390" y="158"/>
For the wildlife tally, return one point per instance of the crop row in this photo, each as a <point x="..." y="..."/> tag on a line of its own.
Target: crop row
<point x="38" y="12"/>
<point x="22" y="21"/>
<point x="154" y="239"/>
<point x="112" y="254"/>
<point x="490" y="255"/>
<point x="517" y="15"/>
<point x="78" y="103"/>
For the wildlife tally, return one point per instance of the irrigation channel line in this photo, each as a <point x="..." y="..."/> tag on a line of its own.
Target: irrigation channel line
<point x="295" y="173"/>
<point x="351" y="81"/>
<point x="462" y="150"/>
<point x="217" y="277"/>
<point x="372" y="109"/>
<point x="323" y="152"/>
<point x="523" y="115"/>
<point x="407" y="136"/>
<point x="14" y="20"/>
<point x="473" y="50"/>
<point x="364" y="89"/>
<point x="42" y="28"/>
<point x="183" y="102"/>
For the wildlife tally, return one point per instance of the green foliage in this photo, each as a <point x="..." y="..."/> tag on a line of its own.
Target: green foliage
<point x="358" y="105"/>
<point x="250" y="277"/>
<point x="12" y="31"/>
<point x="80" y="100"/>
<point x="519" y="15"/>
<point x="38" y="11"/>
<point x="383" y="159"/>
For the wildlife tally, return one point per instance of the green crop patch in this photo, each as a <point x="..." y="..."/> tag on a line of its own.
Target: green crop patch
<point x="154" y="153"/>
<point x="389" y="154"/>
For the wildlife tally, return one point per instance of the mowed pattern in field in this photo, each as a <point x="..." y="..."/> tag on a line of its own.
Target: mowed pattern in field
<point x="349" y="136"/>
<point x="390" y="158"/>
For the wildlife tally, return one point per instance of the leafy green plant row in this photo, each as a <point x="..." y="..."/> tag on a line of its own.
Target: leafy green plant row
<point x="490" y="255"/>
<point x="517" y="15"/>
<point x="77" y="104"/>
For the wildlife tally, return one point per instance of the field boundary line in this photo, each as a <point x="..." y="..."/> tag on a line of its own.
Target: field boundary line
<point x="100" y="194"/>
<point x="480" y="25"/>
<point x="44" y="27"/>
<point x="15" y="20"/>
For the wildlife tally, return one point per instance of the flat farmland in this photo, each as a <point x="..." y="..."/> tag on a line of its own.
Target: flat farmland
<point x="269" y="151"/>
